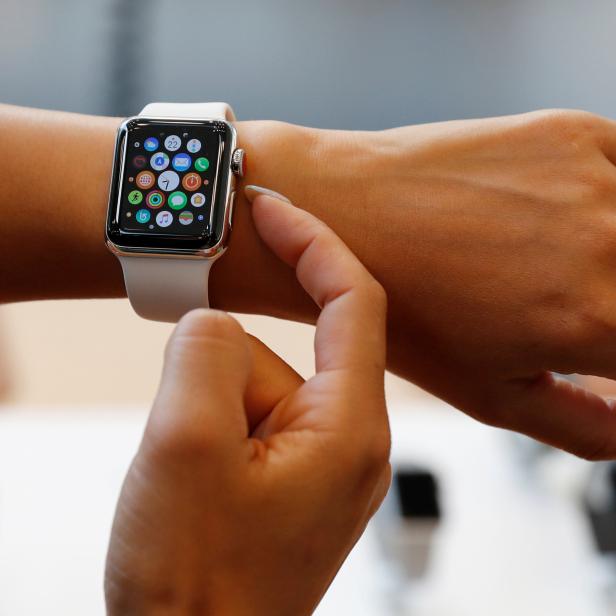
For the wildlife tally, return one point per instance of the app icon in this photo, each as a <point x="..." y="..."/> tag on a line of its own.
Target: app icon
<point x="164" y="219"/>
<point x="193" y="146"/>
<point x="182" y="162"/>
<point x="186" y="218"/>
<point x="200" y="217"/>
<point x="191" y="181"/>
<point x="159" y="161"/>
<point x="202" y="164"/>
<point x="145" y="179"/>
<point x="155" y="199"/>
<point x="140" y="161"/>
<point x="177" y="200"/>
<point x="151" y="144"/>
<point x="173" y="143"/>
<point x="142" y="216"/>
<point x="198" y="199"/>
<point x="135" y="197"/>
<point x="168" y="180"/>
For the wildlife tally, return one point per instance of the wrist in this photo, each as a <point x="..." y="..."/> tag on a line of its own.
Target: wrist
<point x="332" y="174"/>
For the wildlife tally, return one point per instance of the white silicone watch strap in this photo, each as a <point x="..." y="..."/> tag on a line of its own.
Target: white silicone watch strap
<point x="201" y="111"/>
<point x="164" y="289"/>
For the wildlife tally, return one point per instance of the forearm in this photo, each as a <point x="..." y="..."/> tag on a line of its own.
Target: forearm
<point x="55" y="178"/>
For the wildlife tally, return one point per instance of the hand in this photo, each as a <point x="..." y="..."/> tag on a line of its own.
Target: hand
<point x="496" y="243"/>
<point x="506" y="228"/>
<point x="250" y="486"/>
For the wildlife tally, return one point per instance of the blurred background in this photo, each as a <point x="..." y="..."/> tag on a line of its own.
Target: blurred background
<point x="478" y="521"/>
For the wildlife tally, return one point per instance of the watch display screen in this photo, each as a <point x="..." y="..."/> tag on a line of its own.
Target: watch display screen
<point x="171" y="184"/>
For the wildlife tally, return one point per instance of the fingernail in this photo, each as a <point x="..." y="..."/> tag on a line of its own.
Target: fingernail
<point x="252" y="192"/>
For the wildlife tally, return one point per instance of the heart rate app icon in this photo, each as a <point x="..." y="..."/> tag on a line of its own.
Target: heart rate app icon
<point x="140" y="161"/>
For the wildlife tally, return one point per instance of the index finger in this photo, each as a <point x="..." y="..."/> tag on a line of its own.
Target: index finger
<point x="351" y="327"/>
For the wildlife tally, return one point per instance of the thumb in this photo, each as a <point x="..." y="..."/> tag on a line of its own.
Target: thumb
<point x="563" y="414"/>
<point x="199" y="404"/>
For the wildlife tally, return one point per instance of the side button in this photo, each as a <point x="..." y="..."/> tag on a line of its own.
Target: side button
<point x="232" y="209"/>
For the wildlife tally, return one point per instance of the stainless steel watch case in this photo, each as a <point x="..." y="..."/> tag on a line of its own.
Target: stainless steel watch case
<point x="236" y="169"/>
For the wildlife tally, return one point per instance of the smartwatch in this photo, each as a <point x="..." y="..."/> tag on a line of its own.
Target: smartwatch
<point x="171" y="203"/>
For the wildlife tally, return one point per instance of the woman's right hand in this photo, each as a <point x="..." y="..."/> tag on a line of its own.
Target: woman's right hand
<point x="496" y="243"/>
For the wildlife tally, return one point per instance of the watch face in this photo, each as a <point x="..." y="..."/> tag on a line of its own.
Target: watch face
<point x="171" y="183"/>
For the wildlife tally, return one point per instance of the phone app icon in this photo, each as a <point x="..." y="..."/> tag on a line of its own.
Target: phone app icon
<point x="168" y="180"/>
<point x="173" y="143"/>
<point x="164" y="219"/>
<point x="135" y="197"/>
<point x="198" y="199"/>
<point x="151" y="144"/>
<point x="193" y="146"/>
<point x="142" y="216"/>
<point x="140" y="161"/>
<point x="145" y="180"/>
<point x="202" y="164"/>
<point x="177" y="200"/>
<point x="155" y="199"/>
<point x="182" y="162"/>
<point x="191" y="181"/>
<point x="186" y="218"/>
<point x="159" y="161"/>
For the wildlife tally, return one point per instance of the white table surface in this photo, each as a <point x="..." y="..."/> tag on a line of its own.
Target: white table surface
<point x="511" y="542"/>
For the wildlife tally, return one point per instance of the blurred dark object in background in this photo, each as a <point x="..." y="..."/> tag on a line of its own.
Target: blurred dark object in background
<point x="409" y="519"/>
<point x="600" y="501"/>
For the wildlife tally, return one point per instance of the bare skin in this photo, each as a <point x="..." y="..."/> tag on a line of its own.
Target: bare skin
<point x="494" y="239"/>
<point x="249" y="490"/>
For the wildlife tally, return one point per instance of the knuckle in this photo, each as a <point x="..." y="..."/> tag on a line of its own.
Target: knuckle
<point x="565" y="120"/>
<point x="597" y="184"/>
<point x="374" y="294"/>
<point x="568" y="128"/>
<point x="590" y="325"/>
<point x="377" y="293"/>
<point x="169" y="444"/>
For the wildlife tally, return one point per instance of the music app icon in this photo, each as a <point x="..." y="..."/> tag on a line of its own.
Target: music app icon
<point x="164" y="219"/>
<point x="191" y="181"/>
